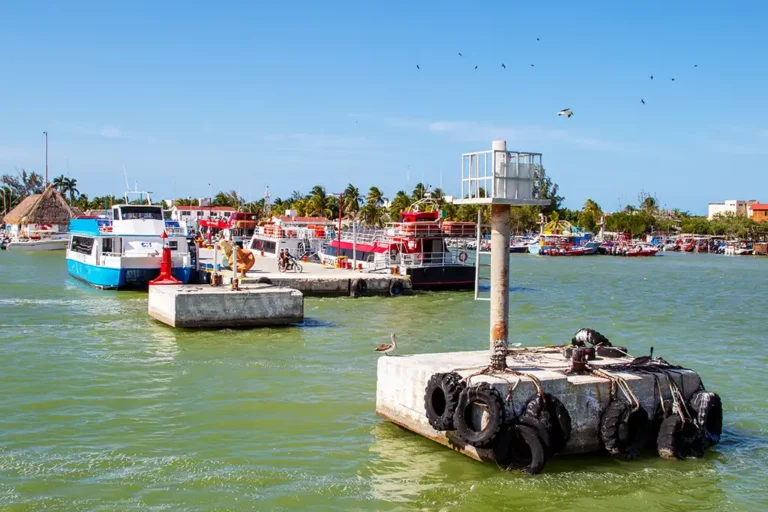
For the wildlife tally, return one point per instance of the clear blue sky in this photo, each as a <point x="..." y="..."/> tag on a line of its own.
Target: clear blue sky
<point x="301" y="93"/>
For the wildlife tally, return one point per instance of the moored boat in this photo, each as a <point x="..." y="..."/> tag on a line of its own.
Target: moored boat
<point x="125" y="251"/>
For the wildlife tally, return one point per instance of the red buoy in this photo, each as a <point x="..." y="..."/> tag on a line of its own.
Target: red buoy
<point x="166" y="268"/>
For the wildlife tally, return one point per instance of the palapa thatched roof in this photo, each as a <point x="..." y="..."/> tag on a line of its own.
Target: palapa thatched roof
<point x="46" y="208"/>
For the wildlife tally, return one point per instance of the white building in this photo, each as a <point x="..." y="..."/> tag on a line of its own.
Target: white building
<point x="193" y="214"/>
<point x="735" y="206"/>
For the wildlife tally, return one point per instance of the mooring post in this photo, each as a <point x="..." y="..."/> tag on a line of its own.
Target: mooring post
<point x="500" y="215"/>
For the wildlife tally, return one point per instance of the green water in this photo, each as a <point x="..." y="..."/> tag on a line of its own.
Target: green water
<point x="103" y="409"/>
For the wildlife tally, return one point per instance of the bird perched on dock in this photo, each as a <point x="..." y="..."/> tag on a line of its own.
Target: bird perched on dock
<point x="565" y="112"/>
<point x="386" y="348"/>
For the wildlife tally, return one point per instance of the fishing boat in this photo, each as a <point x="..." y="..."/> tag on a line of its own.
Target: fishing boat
<point x="124" y="248"/>
<point x="37" y="240"/>
<point x="416" y="246"/>
<point x="518" y="245"/>
<point x="39" y="223"/>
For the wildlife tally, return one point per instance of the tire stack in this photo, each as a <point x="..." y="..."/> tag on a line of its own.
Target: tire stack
<point x="525" y="442"/>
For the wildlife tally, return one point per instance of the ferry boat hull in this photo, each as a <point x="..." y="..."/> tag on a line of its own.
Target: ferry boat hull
<point x="107" y="278"/>
<point x="442" y="278"/>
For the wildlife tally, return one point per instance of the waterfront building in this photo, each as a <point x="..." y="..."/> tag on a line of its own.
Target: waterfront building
<point x="734" y="206"/>
<point x="758" y="212"/>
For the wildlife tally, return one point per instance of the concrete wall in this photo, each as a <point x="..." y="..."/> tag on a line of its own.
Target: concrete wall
<point x="218" y="307"/>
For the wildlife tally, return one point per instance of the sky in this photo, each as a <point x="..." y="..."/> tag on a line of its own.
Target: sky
<point x="288" y="95"/>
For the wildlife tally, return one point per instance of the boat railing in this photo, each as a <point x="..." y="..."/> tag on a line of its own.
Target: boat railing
<point x="432" y="259"/>
<point x="414" y="229"/>
<point x="173" y="231"/>
<point x="362" y="237"/>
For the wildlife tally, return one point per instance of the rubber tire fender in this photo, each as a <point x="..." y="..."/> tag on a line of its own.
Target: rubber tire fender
<point x="542" y="431"/>
<point x="358" y="287"/>
<point x="554" y="417"/>
<point x="485" y="394"/>
<point x="441" y="398"/>
<point x="527" y="450"/>
<point x="623" y="429"/>
<point x="396" y="288"/>
<point x="708" y="409"/>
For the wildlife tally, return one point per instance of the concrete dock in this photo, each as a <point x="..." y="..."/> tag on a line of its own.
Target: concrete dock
<point x="318" y="280"/>
<point x="402" y="380"/>
<point x="205" y="306"/>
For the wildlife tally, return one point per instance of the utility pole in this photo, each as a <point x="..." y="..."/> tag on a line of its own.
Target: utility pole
<point x="46" y="158"/>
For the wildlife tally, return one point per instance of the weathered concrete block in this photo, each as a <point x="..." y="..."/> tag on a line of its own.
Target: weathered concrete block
<point x="401" y="383"/>
<point x="206" y="306"/>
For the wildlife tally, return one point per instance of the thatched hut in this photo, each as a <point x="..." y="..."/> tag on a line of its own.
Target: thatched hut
<point x="46" y="211"/>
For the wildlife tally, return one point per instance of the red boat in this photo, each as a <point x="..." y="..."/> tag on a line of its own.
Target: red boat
<point x="417" y="246"/>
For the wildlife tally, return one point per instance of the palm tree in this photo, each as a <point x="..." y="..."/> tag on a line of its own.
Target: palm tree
<point x="556" y="226"/>
<point x="419" y="192"/>
<point x="591" y="206"/>
<point x="58" y="183"/>
<point x="70" y="185"/>
<point x="400" y="203"/>
<point x="372" y="214"/>
<point x="375" y="197"/>
<point x="352" y="200"/>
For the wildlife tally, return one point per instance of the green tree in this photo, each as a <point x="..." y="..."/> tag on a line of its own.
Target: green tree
<point x="545" y="188"/>
<point x="419" y="192"/>
<point x="352" y="200"/>
<point x="399" y="204"/>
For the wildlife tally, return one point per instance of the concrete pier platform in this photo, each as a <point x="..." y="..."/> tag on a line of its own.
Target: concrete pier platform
<point x="193" y="306"/>
<point x="402" y="380"/>
<point x="321" y="281"/>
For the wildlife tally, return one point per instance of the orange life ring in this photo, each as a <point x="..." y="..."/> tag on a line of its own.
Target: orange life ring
<point x="462" y="256"/>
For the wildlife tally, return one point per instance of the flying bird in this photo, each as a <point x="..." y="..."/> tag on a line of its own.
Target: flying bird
<point x="565" y="112"/>
<point x="673" y="79"/>
<point x="695" y="65"/>
<point x="475" y="67"/>
<point x="502" y="65"/>
<point x="537" y="38"/>
<point x="651" y="77"/>
<point x="642" y="101"/>
<point x="531" y="65"/>
<point x="460" y="55"/>
<point x="386" y="348"/>
<point x="417" y="66"/>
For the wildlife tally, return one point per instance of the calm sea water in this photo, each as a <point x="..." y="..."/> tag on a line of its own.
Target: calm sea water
<point x="103" y="409"/>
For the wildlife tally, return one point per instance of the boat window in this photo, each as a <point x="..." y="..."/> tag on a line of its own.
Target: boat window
<point x="107" y="245"/>
<point x="82" y="244"/>
<point x="115" y="213"/>
<point x="264" y="245"/>
<point x="140" y="213"/>
<point x="173" y="245"/>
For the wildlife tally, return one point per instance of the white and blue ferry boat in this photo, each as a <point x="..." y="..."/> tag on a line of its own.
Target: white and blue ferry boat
<point x="125" y="251"/>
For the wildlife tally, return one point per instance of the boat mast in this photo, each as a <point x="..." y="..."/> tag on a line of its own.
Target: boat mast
<point x="46" y="158"/>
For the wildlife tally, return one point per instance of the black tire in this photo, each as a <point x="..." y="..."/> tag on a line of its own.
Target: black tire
<point x="358" y="287"/>
<point x="527" y="451"/>
<point x="396" y="288"/>
<point x="489" y="397"/>
<point x="624" y="430"/>
<point x="669" y="442"/>
<point x="554" y="417"/>
<point x="281" y="267"/>
<point x="264" y="280"/>
<point x="441" y="397"/>
<point x="611" y="352"/>
<point x="543" y="432"/>
<point x="708" y="410"/>
<point x="297" y="267"/>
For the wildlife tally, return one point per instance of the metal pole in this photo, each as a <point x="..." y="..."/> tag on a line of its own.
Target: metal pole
<point x="338" y="251"/>
<point x="234" y="261"/>
<point x="46" y="158"/>
<point x="354" y="244"/>
<point x="500" y="215"/>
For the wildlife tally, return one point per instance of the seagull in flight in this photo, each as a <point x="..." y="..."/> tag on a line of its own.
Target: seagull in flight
<point x="460" y="55"/>
<point x="642" y="101"/>
<point x="386" y="348"/>
<point x="475" y="67"/>
<point x="531" y="65"/>
<point x="651" y="77"/>
<point x="417" y="66"/>
<point x="565" y="112"/>
<point x="537" y="38"/>
<point x="502" y="65"/>
<point x="673" y="79"/>
<point x="695" y="65"/>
